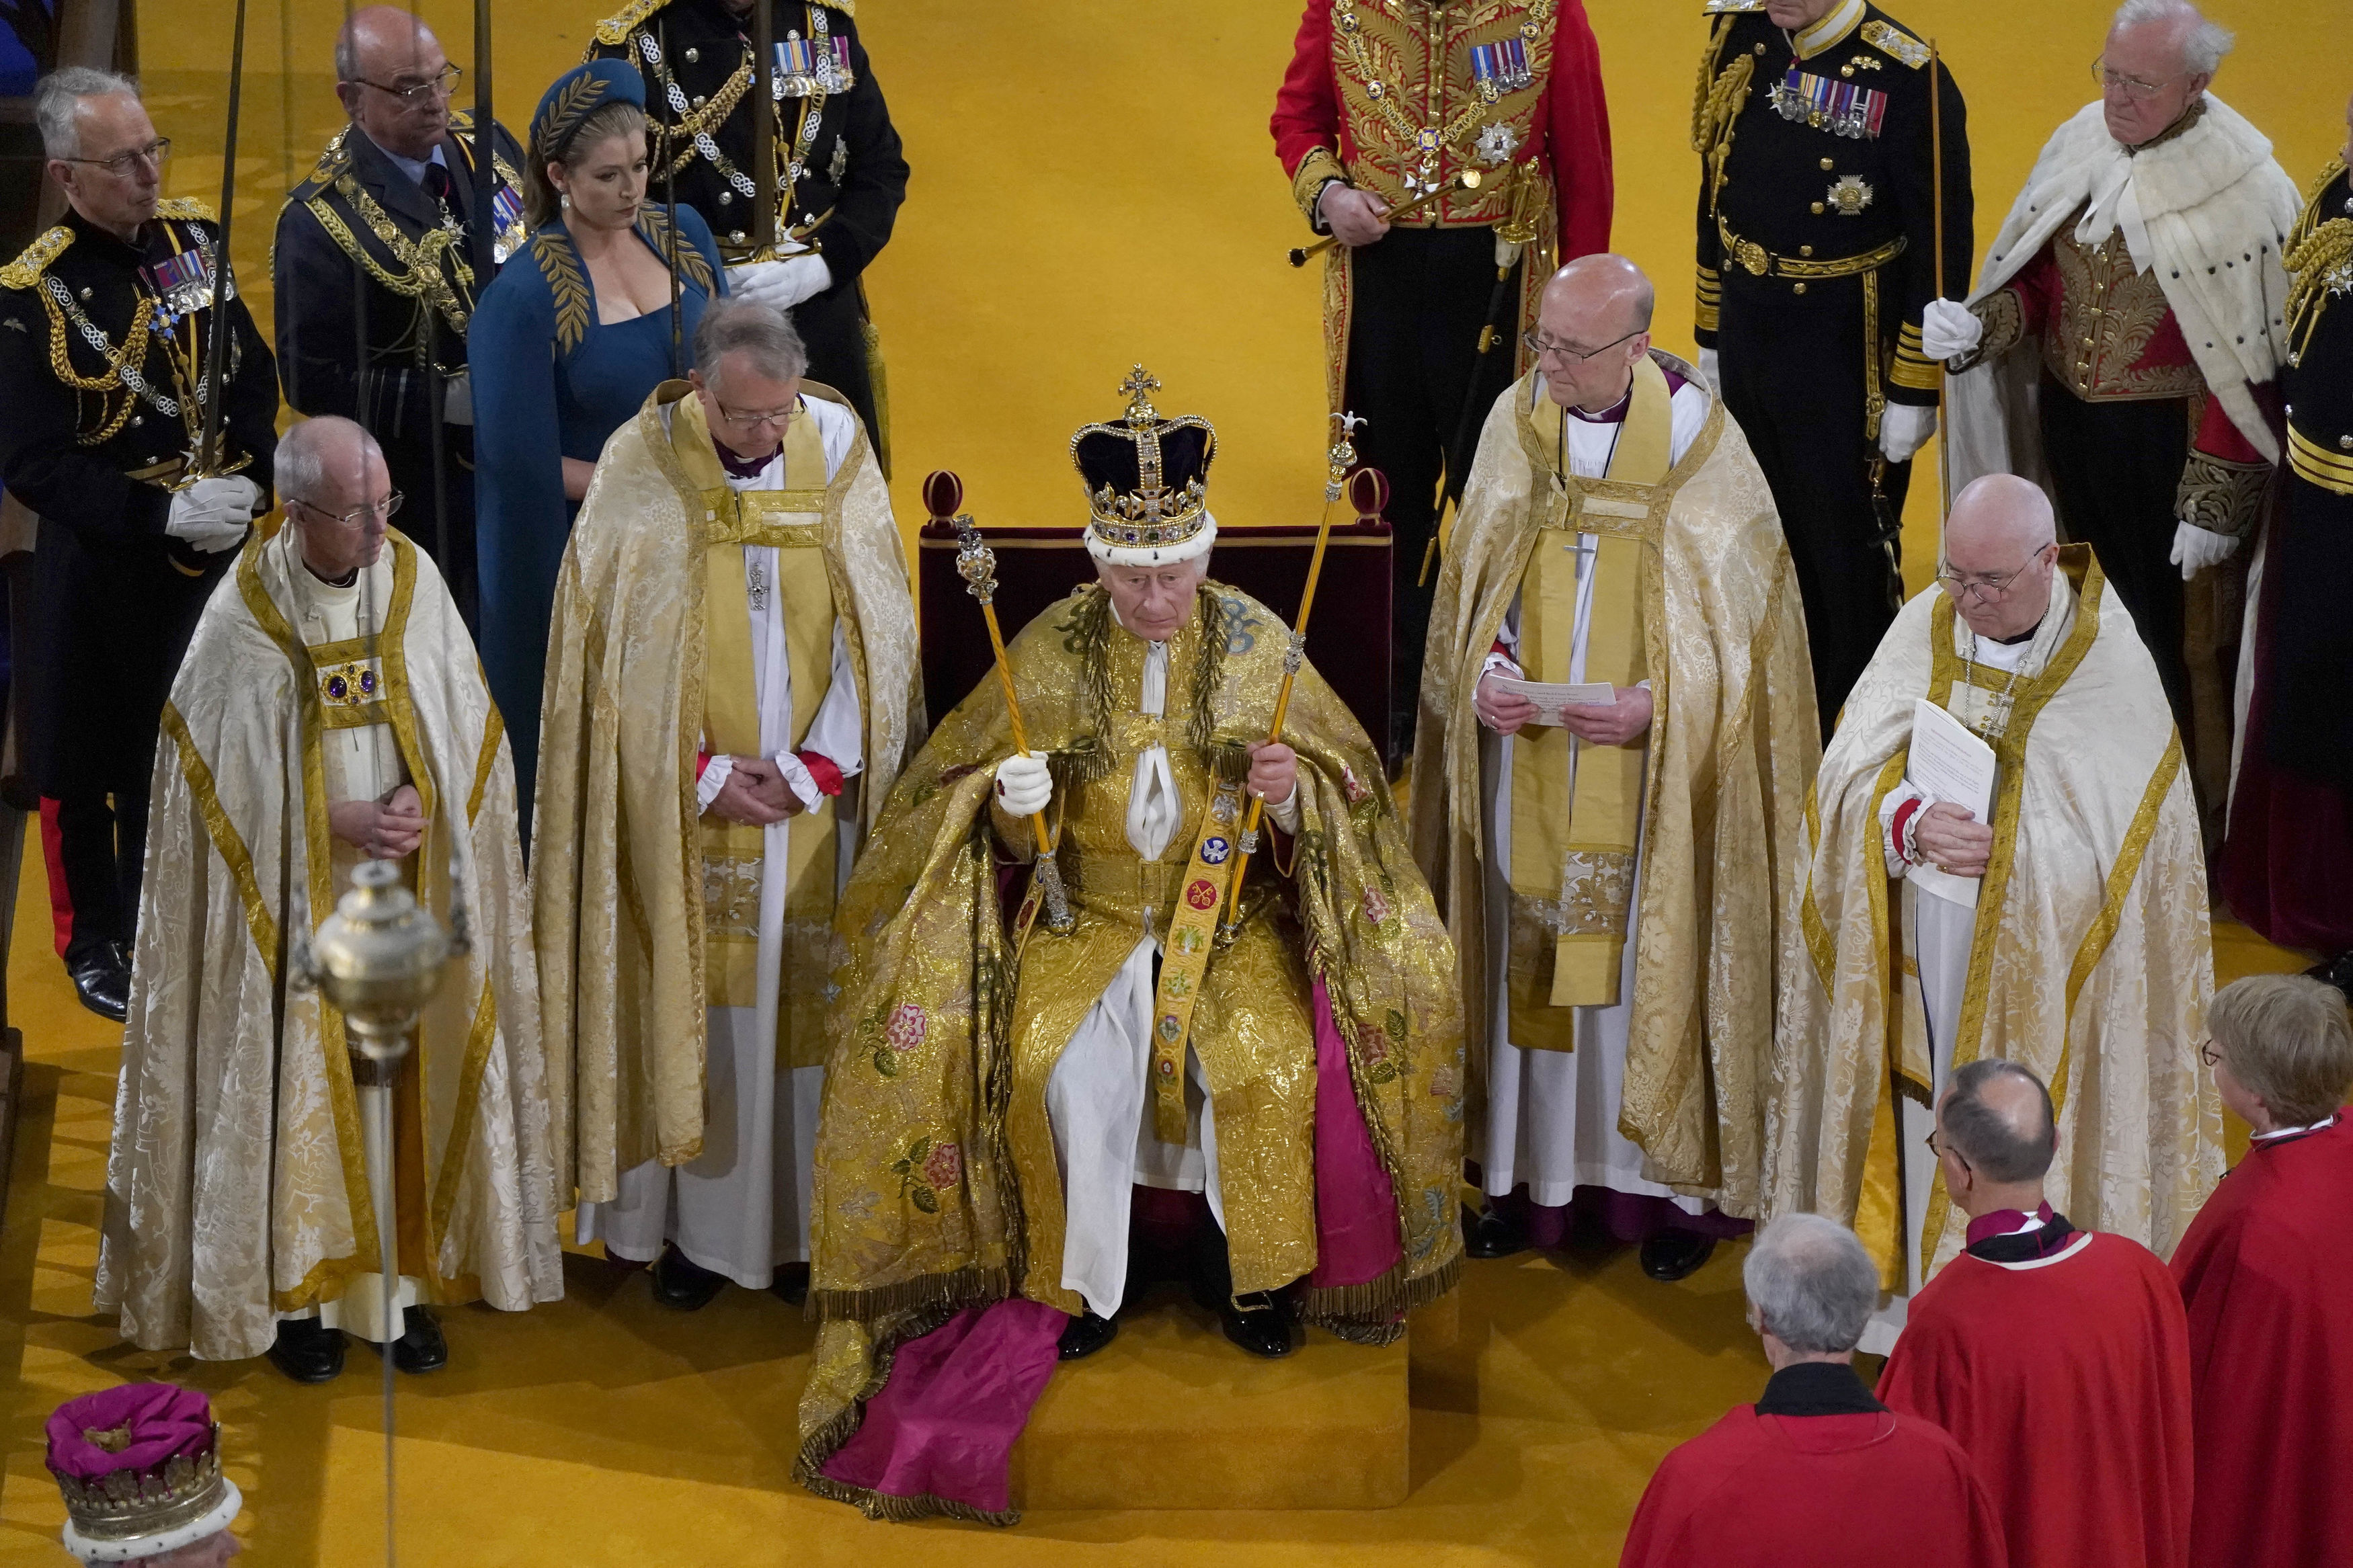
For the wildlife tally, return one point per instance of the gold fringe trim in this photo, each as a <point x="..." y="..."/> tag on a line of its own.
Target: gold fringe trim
<point x="1374" y="1312"/>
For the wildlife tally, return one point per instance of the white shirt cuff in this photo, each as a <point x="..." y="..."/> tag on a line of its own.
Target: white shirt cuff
<point x="1495" y="662"/>
<point x="803" y="782"/>
<point x="1286" y="815"/>
<point x="715" y="774"/>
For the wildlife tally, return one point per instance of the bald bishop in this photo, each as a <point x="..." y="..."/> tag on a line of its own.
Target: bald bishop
<point x="2002" y="859"/>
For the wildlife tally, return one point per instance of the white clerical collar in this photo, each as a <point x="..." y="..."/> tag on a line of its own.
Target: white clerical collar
<point x="2292" y="1131"/>
<point x="1829" y="31"/>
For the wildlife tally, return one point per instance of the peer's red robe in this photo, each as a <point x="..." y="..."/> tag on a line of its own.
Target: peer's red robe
<point x="1864" y="1487"/>
<point x="2266" y="1273"/>
<point x="2066" y="1379"/>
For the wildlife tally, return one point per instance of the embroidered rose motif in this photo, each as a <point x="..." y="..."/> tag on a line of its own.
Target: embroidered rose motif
<point x="1376" y="906"/>
<point x="906" y="1027"/>
<point x="1350" y="785"/>
<point x="946" y="1167"/>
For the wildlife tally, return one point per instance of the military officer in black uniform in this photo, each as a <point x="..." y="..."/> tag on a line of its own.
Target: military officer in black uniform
<point x="839" y="173"/>
<point x="106" y="322"/>
<point x="1817" y="254"/>
<point x="376" y="277"/>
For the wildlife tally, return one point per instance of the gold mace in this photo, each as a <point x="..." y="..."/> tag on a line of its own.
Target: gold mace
<point x="976" y="564"/>
<point x="1339" y="460"/>
<point x="1462" y="180"/>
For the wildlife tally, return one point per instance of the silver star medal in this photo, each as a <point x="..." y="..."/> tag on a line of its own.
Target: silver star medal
<point x="1497" y="144"/>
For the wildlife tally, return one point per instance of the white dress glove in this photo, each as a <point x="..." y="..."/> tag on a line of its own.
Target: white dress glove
<point x="2196" y="547"/>
<point x="1902" y="427"/>
<point x="1709" y="374"/>
<point x="1948" y="329"/>
<point x="1024" y="784"/>
<point x="212" y="515"/>
<point x="458" y="399"/>
<point x="783" y="284"/>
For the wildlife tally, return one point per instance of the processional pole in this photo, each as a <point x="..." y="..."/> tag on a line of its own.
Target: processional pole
<point x="1937" y="211"/>
<point x="1338" y="460"/>
<point x="217" y="351"/>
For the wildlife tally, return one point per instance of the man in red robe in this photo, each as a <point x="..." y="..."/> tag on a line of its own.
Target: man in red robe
<point x="2268" y="1283"/>
<point x="1817" y="1474"/>
<point x="2057" y="1358"/>
<point x="1388" y="102"/>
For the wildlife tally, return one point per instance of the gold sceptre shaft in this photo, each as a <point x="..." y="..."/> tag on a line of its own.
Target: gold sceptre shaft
<point x="976" y="564"/>
<point x="1463" y="180"/>
<point x="1340" y="460"/>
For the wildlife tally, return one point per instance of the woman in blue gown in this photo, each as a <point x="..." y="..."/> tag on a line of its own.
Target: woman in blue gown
<point x="564" y="347"/>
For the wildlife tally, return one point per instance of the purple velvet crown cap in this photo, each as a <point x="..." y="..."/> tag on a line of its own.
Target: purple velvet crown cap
<point x="137" y="1426"/>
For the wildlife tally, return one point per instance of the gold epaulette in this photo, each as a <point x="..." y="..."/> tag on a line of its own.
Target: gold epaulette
<point x="34" y="260"/>
<point x="1894" y="42"/>
<point x="1718" y="7"/>
<point x="184" y="209"/>
<point x="617" y="27"/>
<point x="334" y="158"/>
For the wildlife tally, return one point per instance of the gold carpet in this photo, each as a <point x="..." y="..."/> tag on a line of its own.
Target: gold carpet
<point x="1093" y="186"/>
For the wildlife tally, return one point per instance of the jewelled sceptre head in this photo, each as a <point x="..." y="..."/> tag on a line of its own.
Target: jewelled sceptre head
<point x="976" y="564"/>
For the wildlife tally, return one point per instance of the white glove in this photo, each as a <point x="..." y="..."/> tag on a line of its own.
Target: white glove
<point x="1903" y="426"/>
<point x="783" y="284"/>
<point x="2196" y="547"/>
<point x="212" y="515"/>
<point x="458" y="399"/>
<point x="1709" y="374"/>
<point x="1024" y="784"/>
<point x="1949" y="329"/>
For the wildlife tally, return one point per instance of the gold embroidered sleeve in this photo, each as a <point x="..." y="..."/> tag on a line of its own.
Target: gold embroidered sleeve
<point x="1316" y="170"/>
<point x="2220" y="496"/>
<point x="2004" y="319"/>
<point x="1709" y="304"/>
<point x="1914" y="369"/>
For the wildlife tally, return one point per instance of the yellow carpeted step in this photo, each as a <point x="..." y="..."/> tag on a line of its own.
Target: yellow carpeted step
<point x="1170" y="1415"/>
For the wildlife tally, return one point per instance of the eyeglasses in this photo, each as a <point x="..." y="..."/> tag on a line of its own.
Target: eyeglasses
<point x="2208" y="1054"/>
<point x="356" y="517"/>
<point x="1941" y="1150"/>
<point x="1985" y="587"/>
<point x="2133" y="85"/>
<point x="752" y="420"/>
<point x="417" y="95"/>
<point x="1539" y="347"/>
<point x="123" y="163"/>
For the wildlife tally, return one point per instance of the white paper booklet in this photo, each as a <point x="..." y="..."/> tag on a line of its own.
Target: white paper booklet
<point x="1550" y="698"/>
<point x="1949" y="763"/>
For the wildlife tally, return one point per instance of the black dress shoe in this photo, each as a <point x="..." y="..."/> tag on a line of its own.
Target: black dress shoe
<point x="308" y="1352"/>
<point x="686" y="1286"/>
<point x="790" y="1283"/>
<point x="1085" y="1335"/>
<point x="1260" y="1323"/>
<point x="102" y="980"/>
<point x="2336" y="971"/>
<point x="420" y="1347"/>
<point x="1488" y="1234"/>
<point x="1672" y="1254"/>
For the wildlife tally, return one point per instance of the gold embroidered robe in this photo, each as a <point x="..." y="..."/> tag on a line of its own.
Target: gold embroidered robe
<point x="936" y="1181"/>
<point x="2090" y="962"/>
<point x="1732" y="740"/>
<point x="235" y="1186"/>
<point x="627" y="876"/>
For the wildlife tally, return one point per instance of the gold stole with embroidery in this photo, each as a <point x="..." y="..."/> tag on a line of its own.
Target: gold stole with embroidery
<point x="734" y="855"/>
<point x="1576" y="807"/>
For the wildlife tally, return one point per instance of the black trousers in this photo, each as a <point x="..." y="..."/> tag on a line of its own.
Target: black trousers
<point x="1792" y="366"/>
<point x="102" y="844"/>
<point x="833" y="327"/>
<point x="2117" y="469"/>
<point x="2310" y="634"/>
<point x="1420" y="296"/>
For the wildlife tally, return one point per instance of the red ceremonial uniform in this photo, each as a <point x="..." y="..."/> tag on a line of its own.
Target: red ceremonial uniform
<point x="2066" y="1379"/>
<point x="1846" y="1484"/>
<point x="2267" y="1277"/>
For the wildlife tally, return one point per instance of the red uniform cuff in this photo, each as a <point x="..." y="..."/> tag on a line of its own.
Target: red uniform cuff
<point x="702" y="761"/>
<point x="1903" y="820"/>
